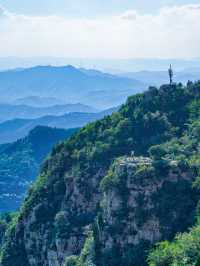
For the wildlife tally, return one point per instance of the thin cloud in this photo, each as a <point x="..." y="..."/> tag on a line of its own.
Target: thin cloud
<point x="3" y="12"/>
<point x="173" y="32"/>
<point x="130" y="15"/>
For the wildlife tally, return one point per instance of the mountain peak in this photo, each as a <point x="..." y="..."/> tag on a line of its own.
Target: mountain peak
<point x="119" y="185"/>
<point x="70" y="83"/>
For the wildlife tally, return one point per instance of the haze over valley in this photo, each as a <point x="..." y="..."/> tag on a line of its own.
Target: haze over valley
<point x="68" y="83"/>
<point x="100" y="133"/>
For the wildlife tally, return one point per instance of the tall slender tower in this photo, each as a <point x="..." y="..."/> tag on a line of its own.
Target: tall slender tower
<point x="171" y="74"/>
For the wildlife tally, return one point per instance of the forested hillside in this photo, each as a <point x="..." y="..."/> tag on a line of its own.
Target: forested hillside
<point x="20" y="162"/>
<point x="120" y="185"/>
<point x="12" y="130"/>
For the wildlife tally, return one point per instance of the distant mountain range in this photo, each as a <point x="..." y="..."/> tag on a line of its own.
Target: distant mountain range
<point x="37" y="101"/>
<point x="121" y="185"/>
<point x="12" y="130"/>
<point x="8" y="111"/>
<point x="68" y="84"/>
<point x="114" y="65"/>
<point x="20" y="162"/>
<point x="161" y="77"/>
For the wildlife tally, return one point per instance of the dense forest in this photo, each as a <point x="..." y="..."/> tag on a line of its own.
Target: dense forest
<point x="122" y="191"/>
<point x="20" y="163"/>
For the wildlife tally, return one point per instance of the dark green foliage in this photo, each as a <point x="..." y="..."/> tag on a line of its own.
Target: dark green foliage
<point x="17" y="249"/>
<point x="20" y="162"/>
<point x="184" y="251"/>
<point x="3" y="227"/>
<point x="165" y="118"/>
<point x="87" y="256"/>
<point x="157" y="151"/>
<point x="173" y="204"/>
<point x="61" y="225"/>
<point x="9" y="221"/>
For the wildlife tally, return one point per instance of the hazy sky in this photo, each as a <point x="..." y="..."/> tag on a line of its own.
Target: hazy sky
<point x="100" y="29"/>
<point x="88" y="8"/>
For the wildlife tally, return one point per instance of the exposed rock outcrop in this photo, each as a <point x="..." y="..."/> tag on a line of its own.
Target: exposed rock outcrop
<point x="90" y="185"/>
<point x="142" y="204"/>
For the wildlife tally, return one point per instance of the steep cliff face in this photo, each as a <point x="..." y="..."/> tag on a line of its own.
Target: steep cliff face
<point x="53" y="231"/>
<point x="128" y="206"/>
<point x="142" y="204"/>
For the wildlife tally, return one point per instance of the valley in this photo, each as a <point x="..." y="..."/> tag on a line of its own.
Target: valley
<point x="100" y="133"/>
<point x="20" y="162"/>
<point x="117" y="187"/>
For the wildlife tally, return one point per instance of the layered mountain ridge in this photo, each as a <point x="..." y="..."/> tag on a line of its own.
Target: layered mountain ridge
<point x="69" y="84"/>
<point x="9" y="111"/>
<point x="15" y="129"/>
<point x="20" y="162"/>
<point x="115" y="188"/>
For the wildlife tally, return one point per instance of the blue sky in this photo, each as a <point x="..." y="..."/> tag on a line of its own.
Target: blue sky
<point x="88" y="8"/>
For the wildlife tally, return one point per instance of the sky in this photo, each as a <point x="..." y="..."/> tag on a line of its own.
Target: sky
<point x="88" y="8"/>
<point x="100" y="29"/>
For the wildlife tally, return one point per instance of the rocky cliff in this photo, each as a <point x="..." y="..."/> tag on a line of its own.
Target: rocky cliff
<point x="142" y="204"/>
<point x="98" y="203"/>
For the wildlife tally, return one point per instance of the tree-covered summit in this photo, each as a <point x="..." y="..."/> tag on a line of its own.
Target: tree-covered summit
<point x="67" y="203"/>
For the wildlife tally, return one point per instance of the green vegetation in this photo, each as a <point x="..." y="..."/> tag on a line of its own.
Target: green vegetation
<point x="6" y="221"/>
<point x="20" y="162"/>
<point x="87" y="256"/>
<point x="184" y="251"/>
<point x="160" y="123"/>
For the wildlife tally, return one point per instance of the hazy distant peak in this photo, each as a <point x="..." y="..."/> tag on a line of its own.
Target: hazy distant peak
<point x="68" y="84"/>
